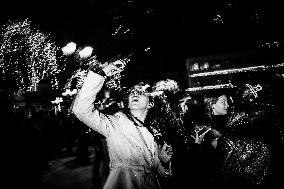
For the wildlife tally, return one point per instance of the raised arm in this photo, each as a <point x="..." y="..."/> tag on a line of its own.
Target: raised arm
<point x="83" y="106"/>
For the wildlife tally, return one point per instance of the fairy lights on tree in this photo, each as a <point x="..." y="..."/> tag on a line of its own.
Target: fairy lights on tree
<point x="27" y="56"/>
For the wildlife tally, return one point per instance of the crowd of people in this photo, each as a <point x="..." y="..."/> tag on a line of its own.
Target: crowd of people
<point x="148" y="138"/>
<point x="218" y="138"/>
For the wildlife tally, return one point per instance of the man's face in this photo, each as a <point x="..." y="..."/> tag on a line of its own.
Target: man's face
<point x="221" y="106"/>
<point x="138" y="99"/>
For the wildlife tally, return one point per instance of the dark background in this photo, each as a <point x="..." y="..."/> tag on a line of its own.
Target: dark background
<point x="172" y="30"/>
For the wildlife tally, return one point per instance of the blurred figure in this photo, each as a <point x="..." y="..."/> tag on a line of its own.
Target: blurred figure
<point x="83" y="142"/>
<point x="101" y="161"/>
<point x="22" y="148"/>
<point x="205" y="113"/>
<point x="244" y="146"/>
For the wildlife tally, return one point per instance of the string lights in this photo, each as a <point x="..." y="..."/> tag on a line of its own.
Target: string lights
<point x="29" y="54"/>
<point x="208" y="87"/>
<point x="237" y="70"/>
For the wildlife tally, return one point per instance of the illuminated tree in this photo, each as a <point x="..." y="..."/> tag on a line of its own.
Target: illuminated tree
<point x="27" y="56"/>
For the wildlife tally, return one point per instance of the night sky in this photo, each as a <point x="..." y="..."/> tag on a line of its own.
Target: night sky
<point x="160" y="34"/>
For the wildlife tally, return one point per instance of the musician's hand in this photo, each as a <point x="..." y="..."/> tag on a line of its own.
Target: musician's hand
<point x="111" y="69"/>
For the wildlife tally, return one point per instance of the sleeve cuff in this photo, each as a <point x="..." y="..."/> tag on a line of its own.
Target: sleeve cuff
<point x="98" y="70"/>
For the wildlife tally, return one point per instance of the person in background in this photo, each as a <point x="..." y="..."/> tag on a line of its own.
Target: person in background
<point x="242" y="156"/>
<point x="22" y="157"/>
<point x="204" y="113"/>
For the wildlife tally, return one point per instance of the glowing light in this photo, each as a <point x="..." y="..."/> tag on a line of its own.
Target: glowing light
<point x="254" y="89"/>
<point x="70" y="48"/>
<point x="208" y="87"/>
<point x="218" y="19"/>
<point x="149" y="11"/>
<point x="206" y="66"/>
<point x="117" y="30"/>
<point x="57" y="100"/>
<point x="68" y="92"/>
<point x="237" y="70"/>
<point x="148" y="48"/>
<point x="270" y="44"/>
<point x="156" y="93"/>
<point x="86" y="52"/>
<point x="195" y="66"/>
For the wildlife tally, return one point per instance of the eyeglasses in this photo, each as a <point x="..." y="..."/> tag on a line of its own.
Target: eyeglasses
<point x="138" y="92"/>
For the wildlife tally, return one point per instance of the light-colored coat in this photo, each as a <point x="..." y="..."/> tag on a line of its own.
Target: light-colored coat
<point x="133" y="153"/>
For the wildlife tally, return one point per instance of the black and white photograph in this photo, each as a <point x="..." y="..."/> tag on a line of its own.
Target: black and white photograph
<point x="149" y="94"/>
